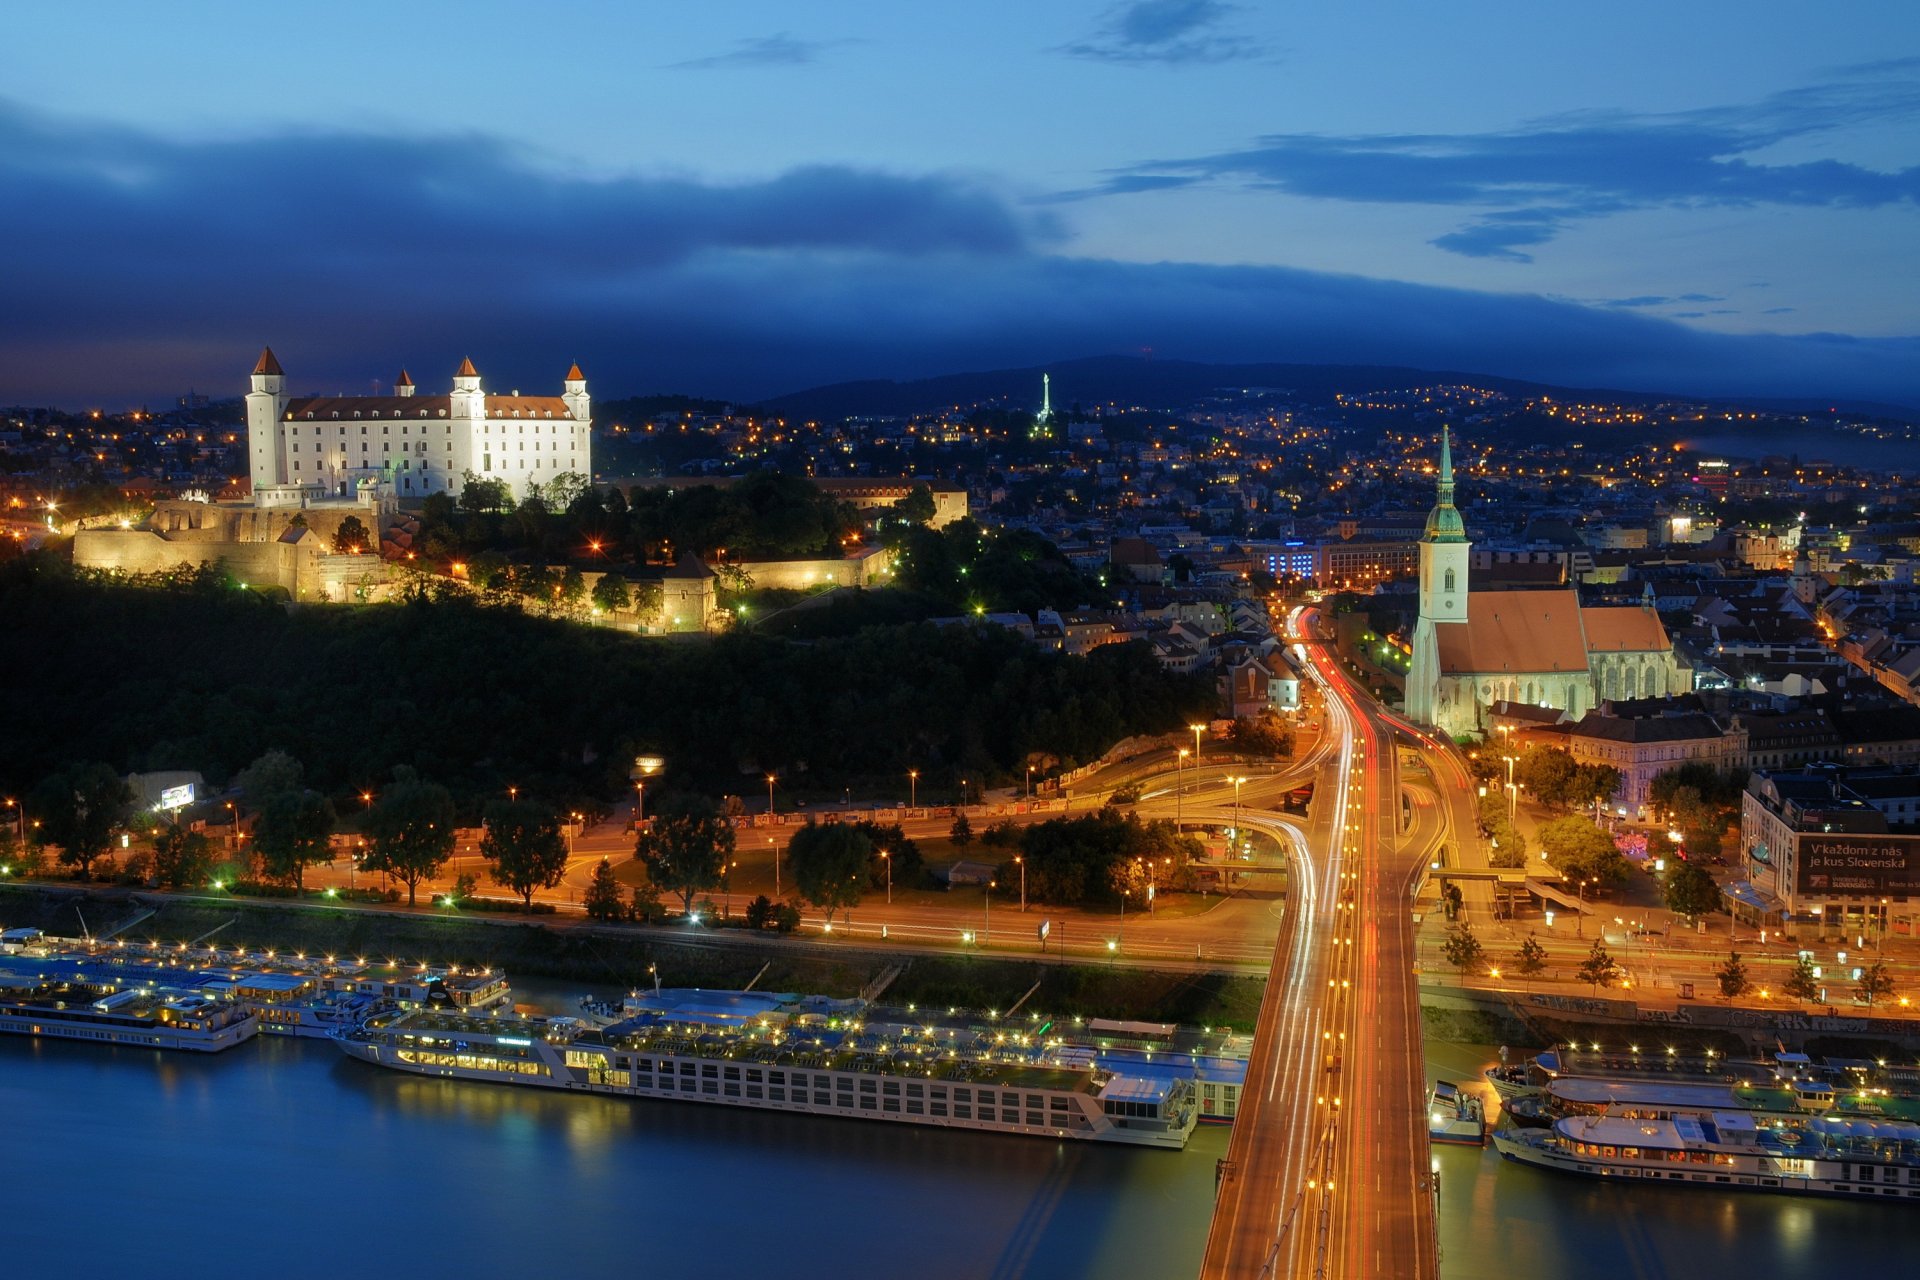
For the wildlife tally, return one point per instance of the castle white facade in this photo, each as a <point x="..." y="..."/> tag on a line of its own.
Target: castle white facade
<point x="329" y="448"/>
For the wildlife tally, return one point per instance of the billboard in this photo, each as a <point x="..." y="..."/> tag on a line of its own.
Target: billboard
<point x="176" y="797"/>
<point x="1858" y="864"/>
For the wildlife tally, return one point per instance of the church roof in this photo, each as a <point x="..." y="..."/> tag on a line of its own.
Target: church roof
<point x="267" y="363"/>
<point x="1514" y="631"/>
<point x="1623" y="629"/>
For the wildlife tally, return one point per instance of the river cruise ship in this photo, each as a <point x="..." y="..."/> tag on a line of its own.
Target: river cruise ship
<point x="1730" y="1150"/>
<point x="784" y="1060"/>
<point x="144" y="1017"/>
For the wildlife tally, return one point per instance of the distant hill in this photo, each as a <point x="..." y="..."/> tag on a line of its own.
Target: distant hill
<point x="1164" y="383"/>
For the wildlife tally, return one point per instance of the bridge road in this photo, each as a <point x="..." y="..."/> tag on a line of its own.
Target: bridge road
<point x="1328" y="1172"/>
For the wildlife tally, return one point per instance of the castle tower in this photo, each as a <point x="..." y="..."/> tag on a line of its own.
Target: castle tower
<point x="1444" y="552"/>
<point x="576" y="394"/>
<point x="266" y="405"/>
<point x="1046" y="399"/>
<point x="467" y="400"/>
<point x="403" y="385"/>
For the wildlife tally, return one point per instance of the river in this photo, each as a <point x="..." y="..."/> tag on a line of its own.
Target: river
<point x="283" y="1157"/>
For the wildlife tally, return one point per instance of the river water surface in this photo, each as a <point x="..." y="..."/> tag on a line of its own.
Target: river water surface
<point x="283" y="1158"/>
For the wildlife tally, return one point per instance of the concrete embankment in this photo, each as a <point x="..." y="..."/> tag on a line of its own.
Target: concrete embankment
<point x="608" y="959"/>
<point x="1474" y="1015"/>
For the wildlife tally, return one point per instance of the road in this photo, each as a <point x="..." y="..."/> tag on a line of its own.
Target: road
<point x="1328" y="1172"/>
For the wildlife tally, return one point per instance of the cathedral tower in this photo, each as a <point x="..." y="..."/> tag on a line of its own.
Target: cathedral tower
<point x="1444" y="551"/>
<point x="265" y="405"/>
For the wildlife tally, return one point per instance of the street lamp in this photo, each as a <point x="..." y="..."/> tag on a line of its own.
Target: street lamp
<point x="986" y="932"/>
<point x="1197" y="730"/>
<point x="887" y="857"/>
<point x="1021" y="862"/>
<point x="913" y="790"/>
<point x="776" y="866"/>
<point x="769" y="795"/>
<point x="1580" y="919"/>
<point x="513" y="793"/>
<point x="1236" y="801"/>
<point x="1029" y="782"/>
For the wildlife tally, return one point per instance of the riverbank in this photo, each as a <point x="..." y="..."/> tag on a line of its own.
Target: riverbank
<point x="616" y="957"/>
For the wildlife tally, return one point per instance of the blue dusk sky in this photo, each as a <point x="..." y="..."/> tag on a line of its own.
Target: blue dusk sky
<point x="742" y="198"/>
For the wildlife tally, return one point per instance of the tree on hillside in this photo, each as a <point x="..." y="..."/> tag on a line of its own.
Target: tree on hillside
<point x="686" y="845"/>
<point x="1598" y="969"/>
<point x="350" y="539"/>
<point x="294" y="829"/>
<point x="603" y="899"/>
<point x="1580" y="850"/>
<point x="1532" y="957"/>
<point x="182" y="857"/>
<point x="961" y="833"/>
<point x="272" y="773"/>
<point x="1690" y="891"/>
<point x="829" y="863"/>
<point x="1733" y="977"/>
<point x="79" y="809"/>
<point x="1802" y="984"/>
<point x="917" y="507"/>
<point x="410" y="831"/>
<point x="611" y="594"/>
<point x="524" y="843"/>
<point x="1264" y="736"/>
<point x="893" y="853"/>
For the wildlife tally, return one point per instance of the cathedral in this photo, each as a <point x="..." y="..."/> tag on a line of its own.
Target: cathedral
<point x="325" y="448"/>
<point x="1472" y="649"/>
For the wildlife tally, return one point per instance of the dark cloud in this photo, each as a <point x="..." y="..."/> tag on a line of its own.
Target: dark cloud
<point x="1533" y="182"/>
<point x="1659" y="300"/>
<point x="778" y="50"/>
<point x="136" y="267"/>
<point x="1167" y="32"/>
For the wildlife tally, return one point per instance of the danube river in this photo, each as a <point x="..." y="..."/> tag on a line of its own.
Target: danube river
<point x="281" y="1157"/>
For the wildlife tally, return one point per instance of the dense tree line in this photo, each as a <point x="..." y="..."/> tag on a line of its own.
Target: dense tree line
<point x="211" y="676"/>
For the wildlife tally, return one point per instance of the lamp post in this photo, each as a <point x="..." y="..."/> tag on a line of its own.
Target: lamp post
<point x="1236" y="801"/>
<point x="1029" y="782"/>
<point x="986" y="932"/>
<point x="1197" y="730"/>
<point x="639" y="803"/>
<point x="513" y="794"/>
<point x="20" y="817"/>
<point x="913" y="790"/>
<point x="235" y="839"/>
<point x="1020" y="861"/>
<point x="776" y="866"/>
<point x="886" y="857"/>
<point x="769" y="795"/>
<point x="1580" y="916"/>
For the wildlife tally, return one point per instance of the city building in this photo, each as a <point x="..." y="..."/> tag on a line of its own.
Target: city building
<point x="1832" y="851"/>
<point x="309" y="449"/>
<point x="1474" y="648"/>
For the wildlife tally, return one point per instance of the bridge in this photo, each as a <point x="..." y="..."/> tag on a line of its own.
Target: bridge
<point x="1328" y="1172"/>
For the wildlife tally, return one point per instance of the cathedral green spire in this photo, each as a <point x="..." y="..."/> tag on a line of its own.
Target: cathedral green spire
<point x="1443" y="522"/>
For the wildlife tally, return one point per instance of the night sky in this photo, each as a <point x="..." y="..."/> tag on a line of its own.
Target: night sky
<point x="740" y="199"/>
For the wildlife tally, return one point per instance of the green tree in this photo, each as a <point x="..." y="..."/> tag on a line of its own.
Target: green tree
<point x="603" y="898"/>
<point x="686" y="846"/>
<point x="1598" y="969"/>
<point x="573" y="590"/>
<point x="646" y="906"/>
<point x="611" y="594"/>
<point x="1593" y="784"/>
<point x="829" y="863"/>
<point x="961" y="833"/>
<point x="917" y="507"/>
<point x="1733" y="977"/>
<point x="1802" y="984"/>
<point x="480" y="495"/>
<point x="272" y="773"/>
<point x="524" y="843"/>
<point x="1546" y="772"/>
<point x="410" y="831"/>
<point x="1462" y="948"/>
<point x="350" y="539"/>
<point x="182" y="857"/>
<point x="294" y="829"/>
<point x="1532" y="957"/>
<point x="1580" y="850"/>
<point x="79" y="809"/>
<point x="1690" y="891"/>
<point x="1264" y="736"/>
<point x="1875" y="983"/>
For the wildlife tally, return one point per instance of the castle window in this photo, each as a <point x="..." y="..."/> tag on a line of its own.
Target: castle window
<point x="356" y="413"/>
<point x="1449" y="579"/>
<point x="374" y="414"/>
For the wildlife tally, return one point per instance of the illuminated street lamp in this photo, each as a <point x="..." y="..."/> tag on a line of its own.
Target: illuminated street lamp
<point x="887" y="858"/>
<point x="1029" y="782"/>
<point x="913" y="789"/>
<point x="1197" y="730"/>
<point x="1020" y="861"/>
<point x="769" y="795"/>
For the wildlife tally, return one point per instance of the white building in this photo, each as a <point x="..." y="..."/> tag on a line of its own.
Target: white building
<point x="323" y="448"/>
